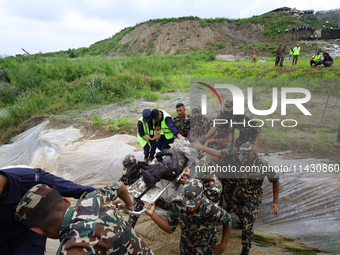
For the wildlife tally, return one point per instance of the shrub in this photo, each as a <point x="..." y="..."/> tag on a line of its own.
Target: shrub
<point x="97" y="120"/>
<point x="156" y="83"/>
<point x="151" y="96"/>
<point x="8" y="93"/>
<point x="220" y="46"/>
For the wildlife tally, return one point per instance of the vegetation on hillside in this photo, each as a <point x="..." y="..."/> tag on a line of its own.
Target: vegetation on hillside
<point x="272" y="23"/>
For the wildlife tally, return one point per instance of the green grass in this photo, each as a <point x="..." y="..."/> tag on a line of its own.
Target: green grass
<point x="151" y="96"/>
<point x="97" y="120"/>
<point x="53" y="85"/>
<point x="121" y="123"/>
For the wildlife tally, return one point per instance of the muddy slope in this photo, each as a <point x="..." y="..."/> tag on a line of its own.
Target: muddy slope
<point x="182" y="37"/>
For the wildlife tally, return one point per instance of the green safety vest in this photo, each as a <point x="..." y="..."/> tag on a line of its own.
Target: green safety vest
<point x="296" y="50"/>
<point x="165" y="129"/>
<point x="290" y="52"/>
<point x="141" y="140"/>
<point x="311" y="36"/>
<point x="317" y="57"/>
<point x="316" y="36"/>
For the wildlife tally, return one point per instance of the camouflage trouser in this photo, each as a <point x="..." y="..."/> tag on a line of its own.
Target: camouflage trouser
<point x="277" y="60"/>
<point x="138" y="205"/>
<point x="339" y="129"/>
<point x="229" y="186"/>
<point x="247" y="213"/>
<point x="281" y="60"/>
<point x="187" y="248"/>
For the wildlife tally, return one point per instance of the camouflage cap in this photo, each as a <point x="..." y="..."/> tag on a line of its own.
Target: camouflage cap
<point x="193" y="192"/>
<point x="204" y="165"/>
<point x="29" y="202"/>
<point x="129" y="161"/>
<point x="228" y="102"/>
<point x="196" y="111"/>
<point x="246" y="150"/>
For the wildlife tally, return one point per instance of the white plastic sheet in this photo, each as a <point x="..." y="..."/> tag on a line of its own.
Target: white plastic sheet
<point x="88" y="162"/>
<point x="309" y="206"/>
<point x="309" y="203"/>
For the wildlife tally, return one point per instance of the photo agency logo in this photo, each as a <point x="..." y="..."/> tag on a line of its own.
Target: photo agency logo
<point x="238" y="98"/>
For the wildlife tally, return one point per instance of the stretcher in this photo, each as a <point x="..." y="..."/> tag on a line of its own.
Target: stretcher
<point x="139" y="191"/>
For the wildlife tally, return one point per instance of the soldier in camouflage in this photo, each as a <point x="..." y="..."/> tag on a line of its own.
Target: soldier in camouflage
<point x="283" y="53"/>
<point x="226" y="114"/>
<point x="248" y="130"/>
<point x="278" y="55"/>
<point x="223" y="157"/>
<point x="248" y="193"/>
<point x="134" y="171"/>
<point x="92" y="226"/>
<point x="199" y="125"/>
<point x="212" y="187"/>
<point x="229" y="156"/>
<point x="182" y="120"/>
<point x="197" y="217"/>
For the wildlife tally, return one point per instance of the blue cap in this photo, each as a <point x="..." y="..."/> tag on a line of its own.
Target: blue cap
<point x="146" y="115"/>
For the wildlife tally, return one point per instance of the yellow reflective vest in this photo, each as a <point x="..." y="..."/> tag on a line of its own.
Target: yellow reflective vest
<point x="317" y="57"/>
<point x="296" y="50"/>
<point x="141" y="140"/>
<point x="165" y="129"/>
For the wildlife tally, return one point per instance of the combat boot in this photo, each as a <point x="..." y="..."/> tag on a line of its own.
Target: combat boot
<point x="245" y="251"/>
<point x="337" y="141"/>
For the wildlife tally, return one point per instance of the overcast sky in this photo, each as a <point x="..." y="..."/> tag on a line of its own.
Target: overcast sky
<point x="50" y="25"/>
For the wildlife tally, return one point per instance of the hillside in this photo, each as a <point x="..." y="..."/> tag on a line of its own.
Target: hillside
<point x="182" y="37"/>
<point x="184" y="34"/>
<point x="178" y="36"/>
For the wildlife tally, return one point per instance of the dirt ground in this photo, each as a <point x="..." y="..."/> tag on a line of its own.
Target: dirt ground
<point x="182" y="37"/>
<point x="311" y="138"/>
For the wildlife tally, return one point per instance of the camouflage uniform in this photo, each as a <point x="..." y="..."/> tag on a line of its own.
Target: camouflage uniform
<point x="229" y="156"/>
<point x="92" y="226"/>
<point x="183" y="126"/>
<point x="248" y="194"/>
<point x="247" y="133"/>
<point x="278" y="56"/>
<point x="223" y="114"/>
<point x="212" y="187"/>
<point x="129" y="179"/>
<point x="198" y="234"/>
<point x="202" y="126"/>
<point x="283" y="51"/>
